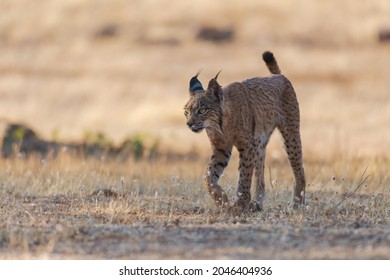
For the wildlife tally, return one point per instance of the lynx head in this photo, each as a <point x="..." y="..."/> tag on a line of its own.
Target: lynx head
<point x="203" y="110"/>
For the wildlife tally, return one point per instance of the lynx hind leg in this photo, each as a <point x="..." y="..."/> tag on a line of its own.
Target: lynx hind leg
<point x="256" y="204"/>
<point x="259" y="194"/>
<point x="293" y="147"/>
<point x="218" y="162"/>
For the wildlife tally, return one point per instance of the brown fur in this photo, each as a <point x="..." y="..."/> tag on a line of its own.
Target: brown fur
<point x="244" y="115"/>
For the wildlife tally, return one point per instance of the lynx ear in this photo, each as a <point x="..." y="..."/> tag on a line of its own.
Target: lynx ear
<point x="215" y="88"/>
<point x="195" y="84"/>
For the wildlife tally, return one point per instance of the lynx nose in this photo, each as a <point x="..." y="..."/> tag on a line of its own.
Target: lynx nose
<point x="190" y="123"/>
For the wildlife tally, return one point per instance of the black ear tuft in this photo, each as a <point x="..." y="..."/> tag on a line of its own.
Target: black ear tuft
<point x="216" y="76"/>
<point x="215" y="88"/>
<point x="195" y="84"/>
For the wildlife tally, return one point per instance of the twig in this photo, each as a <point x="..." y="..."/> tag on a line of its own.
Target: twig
<point x="363" y="179"/>
<point x="270" y="177"/>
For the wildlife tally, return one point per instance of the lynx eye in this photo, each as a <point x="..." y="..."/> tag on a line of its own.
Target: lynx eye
<point x="202" y="111"/>
<point x="186" y="111"/>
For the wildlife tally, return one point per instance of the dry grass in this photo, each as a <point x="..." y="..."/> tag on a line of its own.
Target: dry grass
<point x="58" y="76"/>
<point x="53" y="209"/>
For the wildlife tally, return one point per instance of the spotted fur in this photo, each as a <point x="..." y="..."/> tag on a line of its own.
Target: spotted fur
<point x="244" y="114"/>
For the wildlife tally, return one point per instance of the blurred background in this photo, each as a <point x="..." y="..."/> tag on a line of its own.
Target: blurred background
<point x="122" y="67"/>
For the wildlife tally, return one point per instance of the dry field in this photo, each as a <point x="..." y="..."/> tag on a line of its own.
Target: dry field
<point x="67" y="208"/>
<point x="121" y="68"/>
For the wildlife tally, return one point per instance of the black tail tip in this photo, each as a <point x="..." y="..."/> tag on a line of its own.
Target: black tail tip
<point x="268" y="57"/>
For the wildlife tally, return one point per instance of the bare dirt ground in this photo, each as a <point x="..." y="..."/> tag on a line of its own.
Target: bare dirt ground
<point x="91" y="71"/>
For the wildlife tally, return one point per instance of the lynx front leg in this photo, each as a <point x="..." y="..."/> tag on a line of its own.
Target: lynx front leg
<point x="245" y="168"/>
<point x="217" y="164"/>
